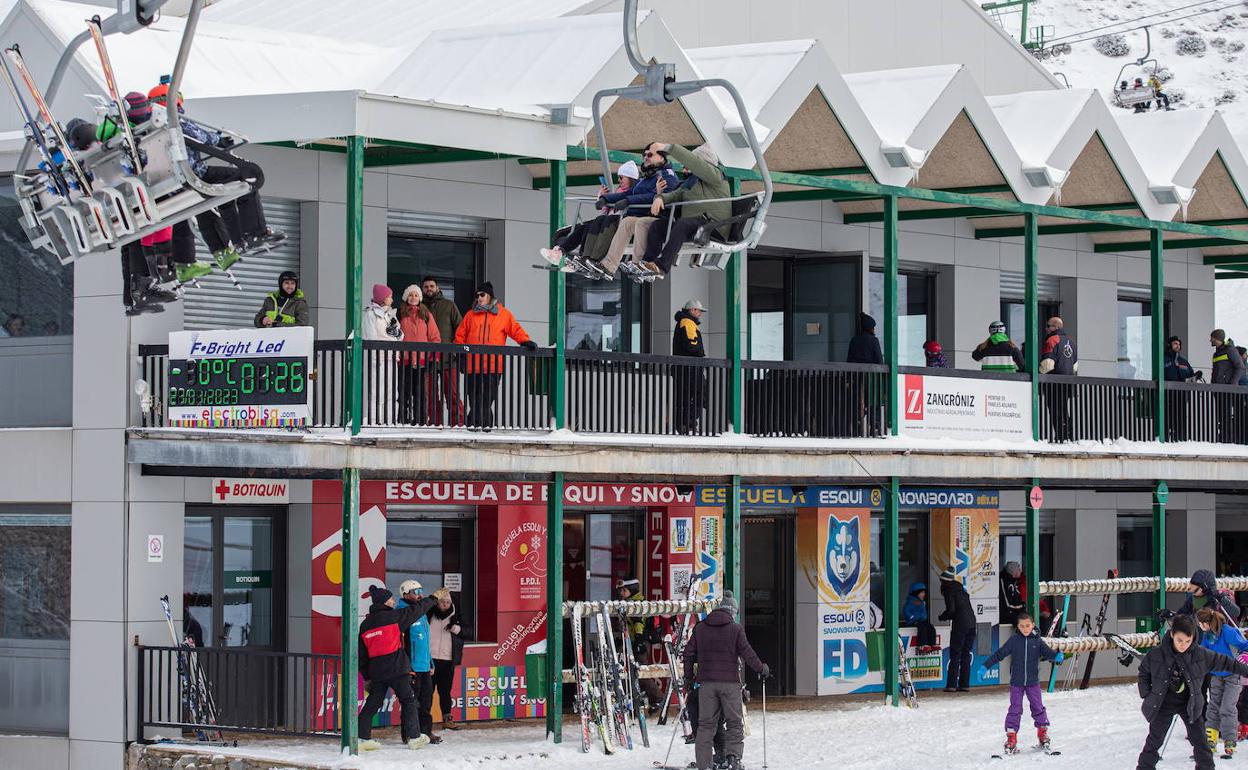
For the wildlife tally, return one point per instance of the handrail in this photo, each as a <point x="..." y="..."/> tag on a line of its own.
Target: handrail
<point x="973" y="374"/>
<point x="1073" y="379"/>
<point x="826" y="366"/>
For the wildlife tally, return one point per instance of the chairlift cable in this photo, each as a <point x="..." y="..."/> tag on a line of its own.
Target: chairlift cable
<point x="1129" y="21"/>
<point x="1163" y="22"/>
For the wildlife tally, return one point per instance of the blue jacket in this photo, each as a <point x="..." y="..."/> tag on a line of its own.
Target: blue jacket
<point x="915" y="609"/>
<point x="1178" y="369"/>
<point x="1230" y="642"/>
<point x="418" y="635"/>
<point x="641" y="195"/>
<point x="1025" y="653"/>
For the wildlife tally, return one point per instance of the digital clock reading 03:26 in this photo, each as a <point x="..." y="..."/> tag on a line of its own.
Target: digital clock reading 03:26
<point x="238" y="381"/>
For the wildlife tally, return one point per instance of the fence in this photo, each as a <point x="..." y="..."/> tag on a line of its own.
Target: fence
<point x="1078" y="408"/>
<point x="280" y="693"/>
<point x="644" y="394"/>
<point x="797" y="398"/>
<point x="1200" y="412"/>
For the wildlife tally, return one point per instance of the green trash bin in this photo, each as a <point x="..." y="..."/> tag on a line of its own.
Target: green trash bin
<point x="1145" y="625"/>
<point x="535" y="671"/>
<point x="875" y="650"/>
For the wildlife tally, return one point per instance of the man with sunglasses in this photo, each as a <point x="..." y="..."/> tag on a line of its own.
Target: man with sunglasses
<point x="487" y="323"/>
<point x="1058" y="355"/>
<point x="656" y="176"/>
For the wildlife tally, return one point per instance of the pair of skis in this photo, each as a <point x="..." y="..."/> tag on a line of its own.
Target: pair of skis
<point x="905" y="680"/>
<point x="608" y="689"/>
<point x="589" y="700"/>
<point x="196" y="695"/>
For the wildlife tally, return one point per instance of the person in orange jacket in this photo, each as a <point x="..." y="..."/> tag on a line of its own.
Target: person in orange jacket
<point x="487" y="323"/>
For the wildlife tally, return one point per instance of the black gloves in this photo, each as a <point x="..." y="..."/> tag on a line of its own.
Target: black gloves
<point x="765" y="673"/>
<point x="620" y="205"/>
<point x="1166" y="614"/>
<point x="529" y="345"/>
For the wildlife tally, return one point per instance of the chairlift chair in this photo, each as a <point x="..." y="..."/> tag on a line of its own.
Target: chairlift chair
<point x="116" y="203"/>
<point x="1132" y="96"/>
<point x="660" y="86"/>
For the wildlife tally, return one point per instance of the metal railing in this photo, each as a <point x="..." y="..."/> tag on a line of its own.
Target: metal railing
<point x="252" y="691"/>
<point x="646" y="394"/>
<point x="798" y="398"/>
<point x="1079" y="408"/>
<point x="1201" y="412"/>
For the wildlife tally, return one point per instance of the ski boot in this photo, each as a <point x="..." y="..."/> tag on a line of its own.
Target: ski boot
<point x="191" y="273"/>
<point x="732" y="762"/>
<point x="1042" y="736"/>
<point x="264" y="240"/>
<point x="419" y="742"/>
<point x="1228" y="749"/>
<point x="368" y="744"/>
<point x="146" y="297"/>
<point x="225" y="259"/>
<point x="1211" y="735"/>
<point x="1011" y="742"/>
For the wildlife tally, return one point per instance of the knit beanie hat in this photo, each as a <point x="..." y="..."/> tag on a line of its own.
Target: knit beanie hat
<point x="488" y="288"/>
<point x="949" y="576"/>
<point x="380" y="594"/>
<point x="380" y="292"/>
<point x="138" y="108"/>
<point x="629" y="170"/>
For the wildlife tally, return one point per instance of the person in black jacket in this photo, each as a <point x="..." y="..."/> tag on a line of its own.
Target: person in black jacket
<point x="384" y="663"/>
<point x="864" y="348"/>
<point x="689" y="382"/>
<point x="1170" y="681"/>
<point x="1204" y="589"/>
<point x="961" y="634"/>
<point x="1011" y="592"/>
<point x="447" y="630"/>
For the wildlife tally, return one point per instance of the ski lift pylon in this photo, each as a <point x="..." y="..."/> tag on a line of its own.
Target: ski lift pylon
<point x="659" y="86"/>
<point x="78" y="203"/>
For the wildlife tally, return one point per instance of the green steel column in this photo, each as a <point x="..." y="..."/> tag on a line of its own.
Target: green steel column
<point x="890" y="312"/>
<point x="348" y="701"/>
<point x="554" y="607"/>
<point x="1157" y="275"/>
<point x="892" y="598"/>
<point x="558" y="295"/>
<point x="734" y="309"/>
<point x="1160" y="494"/>
<point x="355" y="279"/>
<point x="1022" y="38"/>
<point x="1032" y="557"/>
<point x="1031" y="297"/>
<point x="732" y="543"/>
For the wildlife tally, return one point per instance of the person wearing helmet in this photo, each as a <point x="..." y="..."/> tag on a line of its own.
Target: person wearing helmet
<point x="285" y="307"/>
<point x="934" y="353"/>
<point x="998" y="353"/>
<point x="421" y="670"/>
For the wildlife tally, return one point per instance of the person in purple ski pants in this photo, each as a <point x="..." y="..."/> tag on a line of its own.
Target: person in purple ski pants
<point x="1025" y="649"/>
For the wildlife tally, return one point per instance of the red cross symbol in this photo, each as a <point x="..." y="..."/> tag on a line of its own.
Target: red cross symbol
<point x="222" y="489"/>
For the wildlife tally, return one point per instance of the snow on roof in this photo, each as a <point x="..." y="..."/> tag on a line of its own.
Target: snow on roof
<point x="397" y="23"/>
<point x="1037" y="121"/>
<point x="896" y="101"/>
<point x="512" y="66"/>
<point x="1163" y="140"/>
<point x="758" y="70"/>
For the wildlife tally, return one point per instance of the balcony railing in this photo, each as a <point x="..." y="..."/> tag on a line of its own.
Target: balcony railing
<point x="458" y="387"/>
<point x="238" y="690"/>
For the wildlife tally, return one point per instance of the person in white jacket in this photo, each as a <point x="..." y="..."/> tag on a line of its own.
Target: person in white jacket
<point x="381" y="323"/>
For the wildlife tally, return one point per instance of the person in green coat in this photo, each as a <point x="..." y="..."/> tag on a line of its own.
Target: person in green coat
<point x="708" y="184"/>
<point x="285" y="307"/>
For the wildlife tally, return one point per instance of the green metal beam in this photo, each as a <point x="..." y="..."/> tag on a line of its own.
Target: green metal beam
<point x="349" y="699"/>
<point x="415" y="158"/>
<point x="890" y="319"/>
<point x="1161" y="492"/>
<point x="732" y="544"/>
<point x="314" y="146"/>
<point x="892" y="591"/>
<point x="1018" y="232"/>
<point x="1031" y="299"/>
<point x="558" y="294"/>
<point x="732" y="292"/>
<point x="1231" y="276"/>
<point x="953" y="213"/>
<point x="1032" y="557"/>
<point x="354" y="282"/>
<point x="584" y="180"/>
<point x="1186" y="243"/>
<point x="1232" y="260"/>
<point x="1157" y="279"/>
<point x="554" y="606"/>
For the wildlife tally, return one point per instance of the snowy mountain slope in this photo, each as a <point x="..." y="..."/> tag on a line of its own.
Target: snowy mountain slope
<point x="1203" y="56"/>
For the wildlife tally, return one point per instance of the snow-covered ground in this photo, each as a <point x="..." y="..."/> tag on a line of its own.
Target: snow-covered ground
<point x="1101" y="727"/>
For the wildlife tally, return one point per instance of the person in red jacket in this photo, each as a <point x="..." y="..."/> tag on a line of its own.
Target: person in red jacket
<point x="487" y="323"/>
<point x="716" y="645"/>
<point x="415" y="371"/>
<point x="384" y="663"/>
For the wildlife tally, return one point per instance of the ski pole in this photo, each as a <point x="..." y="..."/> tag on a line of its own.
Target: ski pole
<point x="1166" y="743"/>
<point x="764" y="722"/>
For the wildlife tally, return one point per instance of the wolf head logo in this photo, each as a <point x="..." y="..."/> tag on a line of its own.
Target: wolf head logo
<point x="844" y="558"/>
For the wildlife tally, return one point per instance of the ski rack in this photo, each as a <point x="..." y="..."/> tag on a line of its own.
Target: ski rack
<point x="117" y="205"/>
<point x="644" y="671"/>
<point x="1128" y="585"/>
<point x="660" y="87"/>
<point x="1069" y="644"/>
<point x="642" y="609"/>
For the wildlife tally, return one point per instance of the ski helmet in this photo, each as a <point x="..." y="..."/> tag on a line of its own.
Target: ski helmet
<point x="996" y="327"/>
<point x="287" y="275"/>
<point x="80" y="133"/>
<point x="411" y="586"/>
<point x="160" y="93"/>
<point x="138" y="108"/>
<point x="106" y="130"/>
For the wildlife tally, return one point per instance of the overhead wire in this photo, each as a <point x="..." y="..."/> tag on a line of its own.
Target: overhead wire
<point x="1132" y="21"/>
<point x="1163" y="22"/>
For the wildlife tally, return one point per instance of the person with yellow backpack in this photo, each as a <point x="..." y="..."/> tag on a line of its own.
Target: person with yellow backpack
<point x="285" y="307"/>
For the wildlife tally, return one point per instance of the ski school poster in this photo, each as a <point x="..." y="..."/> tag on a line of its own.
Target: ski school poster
<point x="683" y="541"/>
<point x="836" y="565"/>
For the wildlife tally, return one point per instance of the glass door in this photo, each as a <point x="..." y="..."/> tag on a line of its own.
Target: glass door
<point x="803" y="307"/>
<point x="767" y="549"/>
<point x="233" y="576"/>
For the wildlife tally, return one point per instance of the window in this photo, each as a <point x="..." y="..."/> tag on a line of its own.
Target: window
<point x="802" y="307"/>
<point x="34" y="618"/>
<point x="600" y="548"/>
<point x="1135" y="559"/>
<point x="912" y="562"/>
<point x="607" y="315"/>
<point x="916" y="307"/>
<point x="36" y="290"/>
<point x="427" y="544"/>
<point x="455" y="263"/>
<point x="1135" y="334"/>
<point x="1014" y="316"/>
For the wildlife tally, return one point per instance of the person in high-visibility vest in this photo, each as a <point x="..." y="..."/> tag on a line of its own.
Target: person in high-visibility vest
<point x="285" y="307"/>
<point x="998" y="353"/>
